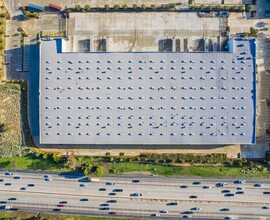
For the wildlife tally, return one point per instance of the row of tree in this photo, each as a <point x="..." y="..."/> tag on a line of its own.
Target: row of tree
<point x="88" y="8"/>
<point x="235" y="8"/>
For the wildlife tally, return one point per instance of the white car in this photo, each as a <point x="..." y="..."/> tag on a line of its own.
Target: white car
<point x="8" y="207"/>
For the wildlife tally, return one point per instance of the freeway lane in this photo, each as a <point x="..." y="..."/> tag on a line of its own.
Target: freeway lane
<point x="156" y="195"/>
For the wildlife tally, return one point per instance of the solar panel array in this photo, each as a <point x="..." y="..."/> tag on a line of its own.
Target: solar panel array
<point x="147" y="98"/>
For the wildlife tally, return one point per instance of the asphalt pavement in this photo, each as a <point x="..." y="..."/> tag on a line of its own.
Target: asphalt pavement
<point x="149" y="197"/>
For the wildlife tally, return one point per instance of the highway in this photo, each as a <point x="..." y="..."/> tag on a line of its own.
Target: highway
<point x="151" y="197"/>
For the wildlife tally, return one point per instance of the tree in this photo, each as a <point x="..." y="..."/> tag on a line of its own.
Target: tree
<point x="172" y="6"/>
<point x="72" y="162"/>
<point x="78" y="8"/>
<point x="57" y="158"/>
<point x="249" y="7"/>
<point x="116" y="7"/>
<point x="107" y="7"/>
<point x="87" y="7"/>
<point x="99" y="171"/>
<point x="125" y="6"/>
<point x="143" y="6"/>
<point x="153" y="6"/>
<point x="135" y="7"/>
<point x="86" y="168"/>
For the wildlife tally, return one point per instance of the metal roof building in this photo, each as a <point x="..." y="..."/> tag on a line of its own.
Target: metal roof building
<point x="147" y="98"/>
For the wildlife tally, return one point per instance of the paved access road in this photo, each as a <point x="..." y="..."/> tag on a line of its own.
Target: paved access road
<point x="140" y="196"/>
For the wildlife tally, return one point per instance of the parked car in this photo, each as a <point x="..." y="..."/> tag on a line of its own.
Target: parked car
<point x="164" y="211"/>
<point x="82" y="185"/>
<point x="266" y="192"/>
<point x="7" y="184"/>
<point x="155" y="215"/>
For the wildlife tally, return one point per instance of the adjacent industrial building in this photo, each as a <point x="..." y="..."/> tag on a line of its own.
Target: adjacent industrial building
<point x="147" y="98"/>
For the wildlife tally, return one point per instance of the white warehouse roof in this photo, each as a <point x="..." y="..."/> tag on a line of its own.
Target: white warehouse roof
<point x="147" y="98"/>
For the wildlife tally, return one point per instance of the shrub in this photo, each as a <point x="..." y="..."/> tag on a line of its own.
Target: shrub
<point x="86" y="168"/>
<point x="99" y="170"/>
<point x="72" y="162"/>
<point x="121" y="154"/>
<point x="143" y="6"/>
<point x="125" y="6"/>
<point x="107" y="154"/>
<point x="107" y="7"/>
<point x="87" y="7"/>
<point x="116" y="7"/>
<point x="135" y="6"/>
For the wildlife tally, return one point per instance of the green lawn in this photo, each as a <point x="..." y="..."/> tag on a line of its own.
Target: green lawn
<point x="27" y="215"/>
<point x="28" y="163"/>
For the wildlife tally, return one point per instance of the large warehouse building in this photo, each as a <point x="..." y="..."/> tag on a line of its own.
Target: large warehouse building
<point x="147" y="98"/>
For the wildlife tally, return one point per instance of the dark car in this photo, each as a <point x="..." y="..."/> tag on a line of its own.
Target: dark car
<point x="187" y="212"/>
<point x="61" y="205"/>
<point x="102" y="189"/>
<point x="135" y="194"/>
<point x="240" y="192"/>
<point x="104" y="204"/>
<point x="265" y="207"/>
<point x="112" y="194"/>
<point x="225" y="191"/>
<point x="7" y="184"/>
<point x="23" y="188"/>
<point x="16" y="177"/>
<point x="193" y="197"/>
<point x="3" y="202"/>
<point x="12" y="199"/>
<point x="109" y="183"/>
<point x="112" y="213"/>
<point x="104" y="208"/>
<point x="1" y="180"/>
<point x="56" y="210"/>
<point x="83" y="200"/>
<point x="183" y="187"/>
<point x="31" y="185"/>
<point x="63" y="202"/>
<point x="257" y="185"/>
<point x="196" y="183"/>
<point x="172" y="203"/>
<point x="111" y="201"/>
<point x="239" y="182"/>
<point x="206" y="187"/>
<point x="266" y="192"/>
<point x="224" y="210"/>
<point x="117" y="190"/>
<point x="9" y="174"/>
<point x="229" y="194"/>
<point x="135" y="181"/>
<point x="221" y="184"/>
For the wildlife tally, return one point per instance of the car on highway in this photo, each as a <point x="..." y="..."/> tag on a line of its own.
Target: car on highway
<point x="56" y="210"/>
<point x="221" y="184"/>
<point x="265" y="207"/>
<point x="3" y="202"/>
<point x="23" y="188"/>
<point x="104" y="204"/>
<point x="228" y="218"/>
<point x="135" y="181"/>
<point x="187" y="212"/>
<point x="239" y="182"/>
<point x="111" y="201"/>
<point x="12" y="199"/>
<point x="155" y="215"/>
<point x="225" y="191"/>
<point x="196" y="183"/>
<point x="240" y="192"/>
<point x="164" y="211"/>
<point x="224" y="210"/>
<point x="1" y="180"/>
<point x="8" y="174"/>
<point x="266" y="192"/>
<point x="240" y="188"/>
<point x="258" y="185"/>
<point x="16" y="177"/>
<point x="109" y="183"/>
<point x="7" y="207"/>
<point x="112" y="213"/>
<point x="183" y="187"/>
<point x="136" y="194"/>
<point x="193" y="197"/>
<point x="102" y="189"/>
<point x="229" y="195"/>
<point x="31" y="185"/>
<point x="63" y="202"/>
<point x="104" y="208"/>
<point x="48" y="179"/>
<point x="187" y="216"/>
<point x="171" y="203"/>
<point x="7" y="184"/>
<point x="83" y="200"/>
<point x="112" y="194"/>
<point x="206" y="187"/>
<point x="117" y="190"/>
<point x="61" y="205"/>
<point x="82" y="185"/>
<point x="195" y="209"/>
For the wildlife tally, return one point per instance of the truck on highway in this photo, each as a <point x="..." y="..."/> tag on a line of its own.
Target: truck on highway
<point x="93" y="179"/>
